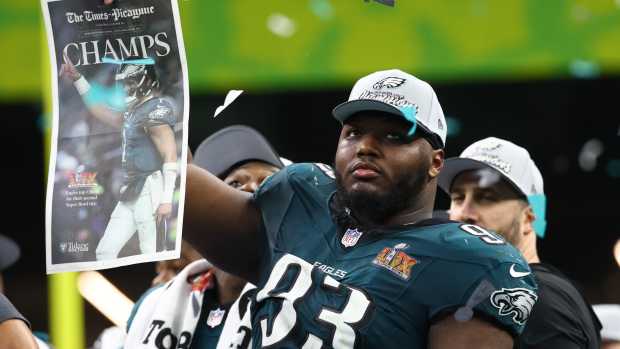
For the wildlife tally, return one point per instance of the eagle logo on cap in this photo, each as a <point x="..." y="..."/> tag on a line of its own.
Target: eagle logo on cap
<point x="389" y="82"/>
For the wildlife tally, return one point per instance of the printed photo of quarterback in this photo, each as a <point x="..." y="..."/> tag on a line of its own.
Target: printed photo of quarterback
<point x="148" y="154"/>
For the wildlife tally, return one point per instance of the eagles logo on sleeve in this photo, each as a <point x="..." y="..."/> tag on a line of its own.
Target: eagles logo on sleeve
<point x="517" y="302"/>
<point x="160" y="112"/>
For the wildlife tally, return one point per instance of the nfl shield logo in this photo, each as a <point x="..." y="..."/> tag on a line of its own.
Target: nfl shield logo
<point x="350" y="237"/>
<point x="215" y="317"/>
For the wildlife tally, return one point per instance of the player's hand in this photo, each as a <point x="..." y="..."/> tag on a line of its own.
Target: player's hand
<point x="108" y="2"/>
<point x="163" y="211"/>
<point x="69" y="70"/>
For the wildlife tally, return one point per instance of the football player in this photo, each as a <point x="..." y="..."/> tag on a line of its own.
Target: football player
<point x="149" y="154"/>
<point x="495" y="184"/>
<point x="351" y="258"/>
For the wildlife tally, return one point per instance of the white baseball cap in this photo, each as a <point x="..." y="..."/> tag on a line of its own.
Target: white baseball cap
<point x="609" y="315"/>
<point x="399" y="93"/>
<point x="512" y="162"/>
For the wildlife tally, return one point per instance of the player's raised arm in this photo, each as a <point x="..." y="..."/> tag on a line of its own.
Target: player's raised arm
<point x="98" y="110"/>
<point x="222" y="223"/>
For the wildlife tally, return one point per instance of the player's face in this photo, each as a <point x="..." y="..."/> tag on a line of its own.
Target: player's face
<point x="380" y="170"/>
<point x="249" y="176"/>
<point x="130" y="86"/>
<point x="483" y="198"/>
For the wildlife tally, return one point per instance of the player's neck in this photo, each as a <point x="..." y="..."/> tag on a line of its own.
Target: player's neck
<point x="228" y="290"/>
<point x="410" y="217"/>
<point x="528" y="249"/>
<point x="420" y="208"/>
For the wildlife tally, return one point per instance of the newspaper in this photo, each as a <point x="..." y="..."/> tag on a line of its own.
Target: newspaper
<point x="116" y="179"/>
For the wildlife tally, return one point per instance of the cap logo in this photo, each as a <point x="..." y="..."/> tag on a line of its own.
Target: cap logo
<point x="439" y="124"/>
<point x="389" y="82"/>
<point x="390" y="98"/>
<point x="493" y="161"/>
<point x="492" y="146"/>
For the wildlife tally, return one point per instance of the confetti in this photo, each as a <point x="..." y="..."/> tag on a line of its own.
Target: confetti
<point x="230" y="97"/>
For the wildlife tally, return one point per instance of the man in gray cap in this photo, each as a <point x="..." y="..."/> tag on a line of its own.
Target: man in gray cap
<point x="14" y="328"/>
<point x="349" y="257"/>
<point x="495" y="184"/>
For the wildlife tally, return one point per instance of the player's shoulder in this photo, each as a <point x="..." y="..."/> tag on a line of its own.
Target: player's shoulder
<point x="159" y="109"/>
<point x="558" y="288"/>
<point x="310" y="173"/>
<point x="470" y="243"/>
<point x="301" y="177"/>
<point x="164" y="102"/>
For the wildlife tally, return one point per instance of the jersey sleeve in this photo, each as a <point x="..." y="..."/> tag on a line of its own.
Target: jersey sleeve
<point x="512" y="298"/>
<point x="162" y="113"/>
<point x="273" y="198"/>
<point x="503" y="295"/>
<point x="474" y="272"/>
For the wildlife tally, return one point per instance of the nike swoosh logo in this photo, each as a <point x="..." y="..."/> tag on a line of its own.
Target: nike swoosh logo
<point x="518" y="274"/>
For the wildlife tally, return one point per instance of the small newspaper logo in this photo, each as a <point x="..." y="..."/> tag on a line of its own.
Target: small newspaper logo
<point x="82" y="179"/>
<point x="73" y="247"/>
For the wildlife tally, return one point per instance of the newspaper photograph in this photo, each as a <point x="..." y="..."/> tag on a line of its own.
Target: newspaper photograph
<point x="116" y="175"/>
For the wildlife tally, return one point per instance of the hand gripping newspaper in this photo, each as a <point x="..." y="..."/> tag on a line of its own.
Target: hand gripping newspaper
<point x="120" y="112"/>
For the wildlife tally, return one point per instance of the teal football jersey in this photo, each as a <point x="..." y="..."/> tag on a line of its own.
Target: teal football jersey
<point x="321" y="286"/>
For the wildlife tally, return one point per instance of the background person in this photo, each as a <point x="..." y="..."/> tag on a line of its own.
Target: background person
<point x="495" y="184"/>
<point x="14" y="328"/>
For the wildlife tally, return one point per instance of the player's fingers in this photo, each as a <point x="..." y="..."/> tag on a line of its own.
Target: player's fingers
<point x="108" y="2"/>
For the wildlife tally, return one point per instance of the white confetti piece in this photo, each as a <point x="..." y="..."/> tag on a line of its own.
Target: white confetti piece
<point x="230" y="97"/>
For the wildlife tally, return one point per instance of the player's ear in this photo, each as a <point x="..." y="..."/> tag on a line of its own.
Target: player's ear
<point x="437" y="158"/>
<point x="527" y="220"/>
